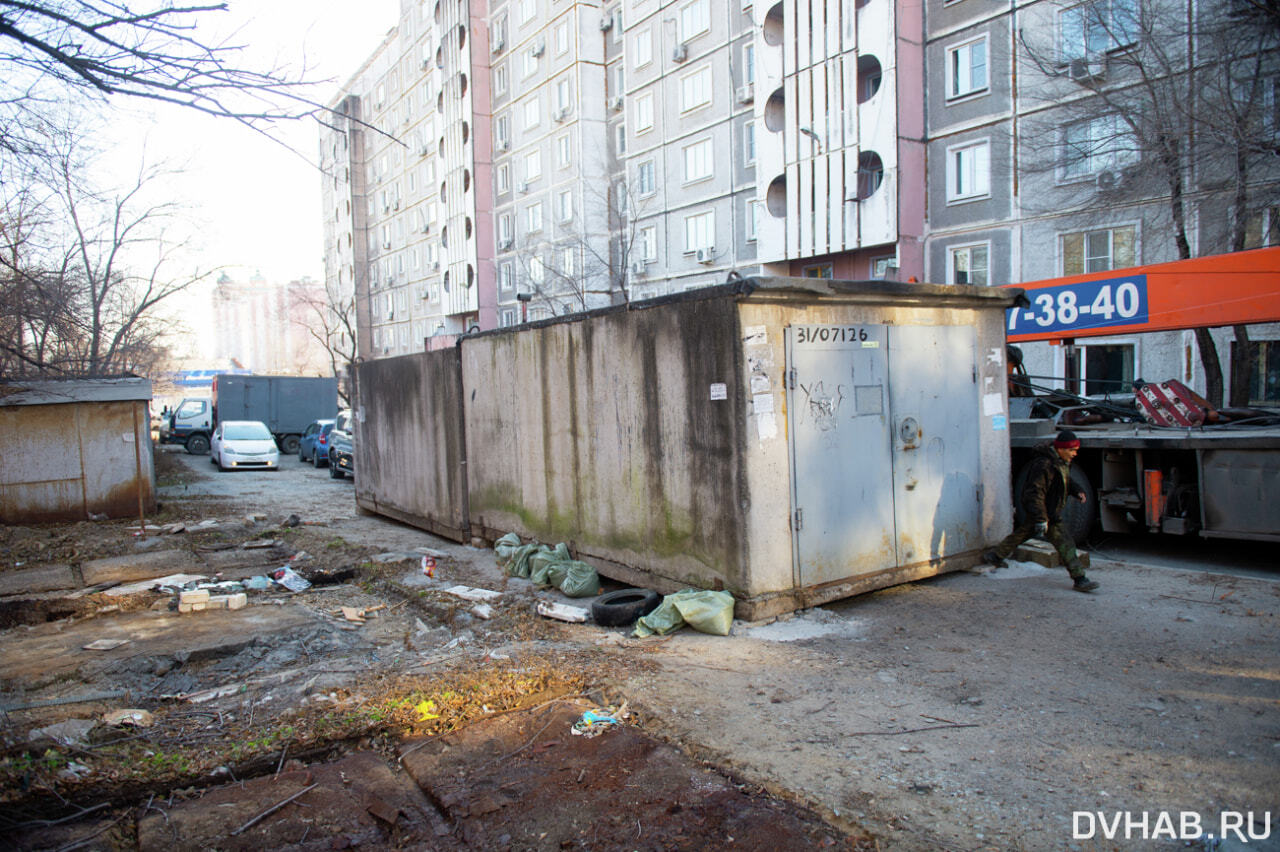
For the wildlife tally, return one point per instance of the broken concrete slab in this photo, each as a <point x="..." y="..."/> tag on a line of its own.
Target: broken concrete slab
<point x="171" y="580"/>
<point x="38" y="578"/>
<point x="137" y="566"/>
<point x="1042" y="553"/>
<point x="467" y="593"/>
<point x="563" y="612"/>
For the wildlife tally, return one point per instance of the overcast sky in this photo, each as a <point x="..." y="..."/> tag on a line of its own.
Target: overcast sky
<point x="256" y="204"/>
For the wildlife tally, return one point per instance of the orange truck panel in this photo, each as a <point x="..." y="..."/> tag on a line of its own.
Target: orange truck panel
<point x="1219" y="290"/>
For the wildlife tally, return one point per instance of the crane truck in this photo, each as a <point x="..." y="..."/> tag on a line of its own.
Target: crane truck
<point x="1161" y="459"/>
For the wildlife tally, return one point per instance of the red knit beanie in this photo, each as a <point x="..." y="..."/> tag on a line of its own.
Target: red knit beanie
<point x="1066" y="440"/>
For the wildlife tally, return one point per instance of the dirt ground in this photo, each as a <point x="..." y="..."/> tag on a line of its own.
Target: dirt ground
<point x="968" y="712"/>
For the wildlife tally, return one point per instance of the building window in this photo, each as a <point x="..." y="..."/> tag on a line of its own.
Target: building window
<point x="532" y="113"/>
<point x="537" y="269"/>
<point x="533" y="165"/>
<point x="500" y="80"/>
<point x="564" y="93"/>
<point x="648" y="243"/>
<point x="1262" y="229"/>
<point x="564" y="206"/>
<point x="644" y="112"/>
<point x="1092" y="29"/>
<point x="749" y="143"/>
<point x="562" y="38"/>
<point x="619" y="80"/>
<point x="1102" y="368"/>
<point x="645" y="183"/>
<point x="697" y="161"/>
<point x="502" y="131"/>
<point x="695" y="19"/>
<point x="753" y="219"/>
<point x="881" y="266"/>
<point x="1264" y="372"/>
<point x="504" y="278"/>
<point x="1100" y="144"/>
<point x="529" y="62"/>
<point x="642" y="48"/>
<point x="967" y="68"/>
<point x="748" y="64"/>
<point x="566" y="261"/>
<point x="699" y="231"/>
<point x="968" y="265"/>
<point x="620" y="138"/>
<point x="504" y="178"/>
<point x="533" y="217"/>
<point x="507" y="317"/>
<point x="1098" y="251"/>
<point x="564" y="152"/>
<point x="526" y="10"/>
<point x="968" y="171"/>
<point x="695" y="89"/>
<point x="822" y="270"/>
<point x="504" y="230"/>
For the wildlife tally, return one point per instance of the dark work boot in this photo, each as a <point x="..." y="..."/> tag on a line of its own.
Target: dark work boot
<point x="1084" y="584"/>
<point x="991" y="559"/>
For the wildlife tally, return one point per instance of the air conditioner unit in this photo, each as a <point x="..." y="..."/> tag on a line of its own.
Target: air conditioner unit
<point x="1110" y="181"/>
<point x="498" y="44"/>
<point x="522" y="187"/>
<point x="426" y="227"/>
<point x="425" y="149"/>
<point x="391" y="315"/>
<point x="616" y="102"/>
<point x="706" y="255"/>
<point x="539" y="48"/>
<point x="435" y="267"/>
<point x="680" y="54"/>
<point x="747" y="93"/>
<point x="606" y="23"/>
<point x="391" y="279"/>
<point x="638" y="267"/>
<point x="504" y="144"/>
<point x="1084" y="70"/>
<point x="504" y="244"/>
<point x="395" y="205"/>
<point x="560" y="114"/>
<point x="386" y="244"/>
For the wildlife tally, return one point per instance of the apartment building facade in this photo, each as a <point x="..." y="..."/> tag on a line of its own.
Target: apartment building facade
<point x="1045" y="128"/>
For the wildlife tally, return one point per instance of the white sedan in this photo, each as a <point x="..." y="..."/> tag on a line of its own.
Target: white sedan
<point x="243" y="443"/>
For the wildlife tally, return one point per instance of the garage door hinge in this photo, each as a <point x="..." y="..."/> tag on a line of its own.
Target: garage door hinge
<point x="797" y="520"/>
<point x="975" y="375"/>
<point x="791" y="378"/>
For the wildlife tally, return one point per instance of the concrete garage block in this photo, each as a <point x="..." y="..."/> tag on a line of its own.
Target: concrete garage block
<point x="137" y="566"/>
<point x="1042" y="553"/>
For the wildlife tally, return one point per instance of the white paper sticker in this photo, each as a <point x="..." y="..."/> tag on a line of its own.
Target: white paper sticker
<point x="755" y="335"/>
<point x="127" y="437"/>
<point x="760" y="384"/>
<point x="992" y="404"/>
<point x="763" y="403"/>
<point x="767" y="426"/>
<point x="871" y="344"/>
<point x="719" y="390"/>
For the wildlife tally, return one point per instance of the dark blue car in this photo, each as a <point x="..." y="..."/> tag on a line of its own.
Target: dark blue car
<point x="314" y="446"/>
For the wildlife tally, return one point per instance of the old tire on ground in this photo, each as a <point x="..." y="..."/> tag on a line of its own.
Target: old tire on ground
<point x="289" y="444"/>
<point x="197" y="445"/>
<point x="616" y="609"/>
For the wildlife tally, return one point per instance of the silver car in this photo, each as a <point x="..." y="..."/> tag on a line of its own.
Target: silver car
<point x="243" y="443"/>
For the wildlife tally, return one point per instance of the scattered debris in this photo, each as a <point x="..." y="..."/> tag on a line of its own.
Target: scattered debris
<point x="291" y="521"/>
<point x="259" y="543"/>
<point x="133" y="717"/>
<point x="291" y="580"/>
<point x="595" y="722"/>
<point x="72" y="732"/>
<point x="105" y="644"/>
<point x="562" y="612"/>
<point x="482" y="611"/>
<point x="704" y="611"/>
<point x="467" y="593"/>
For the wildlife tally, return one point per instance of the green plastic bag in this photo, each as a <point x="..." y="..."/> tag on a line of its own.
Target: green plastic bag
<point x="581" y="580"/>
<point x="546" y="568"/>
<point x="704" y="611"/>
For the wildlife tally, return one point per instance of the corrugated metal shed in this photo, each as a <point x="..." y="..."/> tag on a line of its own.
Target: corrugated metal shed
<point x="75" y="448"/>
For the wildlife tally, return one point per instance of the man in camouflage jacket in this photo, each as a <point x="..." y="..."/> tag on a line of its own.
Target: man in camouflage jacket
<point x="1044" y="496"/>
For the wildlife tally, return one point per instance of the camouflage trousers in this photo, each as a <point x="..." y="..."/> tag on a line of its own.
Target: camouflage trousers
<point x="1056" y="535"/>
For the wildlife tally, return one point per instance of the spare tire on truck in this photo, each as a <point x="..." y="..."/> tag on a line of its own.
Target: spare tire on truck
<point x="617" y="609"/>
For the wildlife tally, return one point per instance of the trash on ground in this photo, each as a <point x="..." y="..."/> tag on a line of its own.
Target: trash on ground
<point x="595" y="722"/>
<point x="428" y="566"/>
<point x="72" y="732"/>
<point x="467" y="593"/>
<point x="547" y="566"/>
<point x="562" y="612"/>
<point x="258" y="584"/>
<point x="171" y="581"/>
<point x="483" y="611"/>
<point x="291" y="580"/>
<point x="703" y="610"/>
<point x="259" y="543"/>
<point x="134" y="717"/>
<point x="105" y="644"/>
<point x="210" y="694"/>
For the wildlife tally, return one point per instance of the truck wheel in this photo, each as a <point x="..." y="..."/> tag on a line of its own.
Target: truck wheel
<point x="197" y="445"/>
<point x="1077" y="517"/>
<point x="289" y="444"/>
